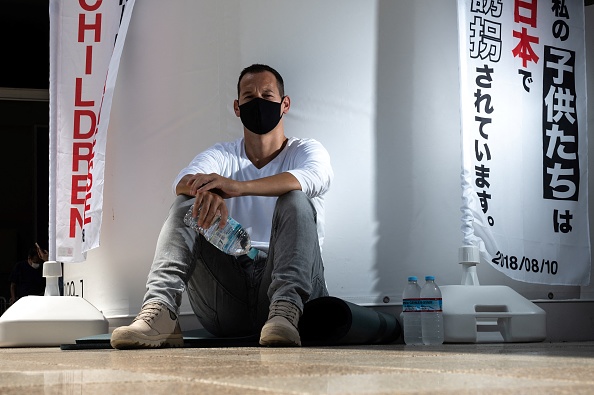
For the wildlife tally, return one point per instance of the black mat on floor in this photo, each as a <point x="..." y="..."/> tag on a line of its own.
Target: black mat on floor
<point x="194" y="338"/>
<point x="326" y="321"/>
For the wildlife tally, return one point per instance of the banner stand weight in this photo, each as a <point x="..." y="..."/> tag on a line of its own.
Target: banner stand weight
<point x="50" y="320"/>
<point x="474" y="313"/>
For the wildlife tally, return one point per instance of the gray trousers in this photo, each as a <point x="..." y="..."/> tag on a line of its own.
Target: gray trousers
<point x="231" y="295"/>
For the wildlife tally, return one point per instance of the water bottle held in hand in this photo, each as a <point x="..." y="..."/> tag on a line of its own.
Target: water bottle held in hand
<point x="232" y="239"/>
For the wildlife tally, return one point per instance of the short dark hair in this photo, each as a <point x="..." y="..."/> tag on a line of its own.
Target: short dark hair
<point x="260" y="68"/>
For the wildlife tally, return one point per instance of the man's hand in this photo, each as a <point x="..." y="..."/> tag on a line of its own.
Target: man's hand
<point x="211" y="205"/>
<point x="42" y="254"/>
<point x="224" y="187"/>
<point x="210" y="190"/>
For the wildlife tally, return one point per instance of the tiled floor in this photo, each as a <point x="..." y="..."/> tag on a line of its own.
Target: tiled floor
<point x="535" y="368"/>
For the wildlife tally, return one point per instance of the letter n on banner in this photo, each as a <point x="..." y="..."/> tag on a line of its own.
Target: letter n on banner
<point x="524" y="137"/>
<point x="86" y="41"/>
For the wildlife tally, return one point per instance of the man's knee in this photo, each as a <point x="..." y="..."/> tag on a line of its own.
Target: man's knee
<point x="295" y="202"/>
<point x="294" y="197"/>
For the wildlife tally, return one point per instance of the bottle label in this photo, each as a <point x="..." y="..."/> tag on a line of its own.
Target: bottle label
<point x="412" y="305"/>
<point x="231" y="229"/>
<point x="223" y="238"/>
<point x="432" y="305"/>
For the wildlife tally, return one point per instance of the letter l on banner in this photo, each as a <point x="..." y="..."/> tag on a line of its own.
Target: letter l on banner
<point x="86" y="42"/>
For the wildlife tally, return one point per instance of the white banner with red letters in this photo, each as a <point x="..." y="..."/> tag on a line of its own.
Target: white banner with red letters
<point x="87" y="37"/>
<point x="524" y="137"/>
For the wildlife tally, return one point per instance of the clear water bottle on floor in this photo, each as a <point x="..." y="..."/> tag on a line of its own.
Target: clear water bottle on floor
<point x="432" y="315"/>
<point x="411" y="312"/>
<point x="232" y="239"/>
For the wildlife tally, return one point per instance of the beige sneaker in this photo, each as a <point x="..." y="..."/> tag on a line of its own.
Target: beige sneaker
<point x="154" y="326"/>
<point x="281" y="328"/>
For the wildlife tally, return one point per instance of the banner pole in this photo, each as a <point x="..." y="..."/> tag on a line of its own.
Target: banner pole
<point x="54" y="10"/>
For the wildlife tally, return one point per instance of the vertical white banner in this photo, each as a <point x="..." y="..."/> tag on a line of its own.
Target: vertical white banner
<point x="85" y="49"/>
<point x="524" y="137"/>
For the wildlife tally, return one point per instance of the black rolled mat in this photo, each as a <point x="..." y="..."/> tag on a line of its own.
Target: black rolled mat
<point x="326" y="321"/>
<point x="330" y="321"/>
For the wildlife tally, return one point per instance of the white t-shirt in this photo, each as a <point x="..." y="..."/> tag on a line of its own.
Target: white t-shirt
<point x="306" y="159"/>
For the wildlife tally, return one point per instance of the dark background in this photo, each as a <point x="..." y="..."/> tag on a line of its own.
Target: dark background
<point x="24" y="123"/>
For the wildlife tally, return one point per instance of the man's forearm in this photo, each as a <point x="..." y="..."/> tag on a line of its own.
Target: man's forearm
<point x="276" y="185"/>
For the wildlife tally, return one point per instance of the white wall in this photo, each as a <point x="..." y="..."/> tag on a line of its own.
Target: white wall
<point x="366" y="78"/>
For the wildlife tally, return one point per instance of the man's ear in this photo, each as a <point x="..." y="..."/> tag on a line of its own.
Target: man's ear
<point x="285" y="105"/>
<point x="236" y="107"/>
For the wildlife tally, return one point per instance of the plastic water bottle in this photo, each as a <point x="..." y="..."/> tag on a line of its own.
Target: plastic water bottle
<point x="411" y="309"/>
<point x="232" y="239"/>
<point x="432" y="315"/>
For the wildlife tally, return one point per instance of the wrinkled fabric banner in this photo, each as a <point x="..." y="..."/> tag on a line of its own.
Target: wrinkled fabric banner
<point x="524" y="137"/>
<point x="86" y="43"/>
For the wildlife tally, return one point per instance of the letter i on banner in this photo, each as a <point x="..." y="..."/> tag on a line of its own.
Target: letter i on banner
<point x="85" y="47"/>
<point x="524" y="137"/>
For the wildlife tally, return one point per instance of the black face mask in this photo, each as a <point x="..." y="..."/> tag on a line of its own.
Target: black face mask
<point x="259" y="115"/>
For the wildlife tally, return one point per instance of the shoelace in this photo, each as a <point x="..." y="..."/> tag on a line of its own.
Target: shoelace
<point x="148" y="313"/>
<point x="284" y="310"/>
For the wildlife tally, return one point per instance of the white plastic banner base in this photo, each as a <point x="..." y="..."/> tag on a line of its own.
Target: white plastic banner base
<point x="43" y="321"/>
<point x="490" y="314"/>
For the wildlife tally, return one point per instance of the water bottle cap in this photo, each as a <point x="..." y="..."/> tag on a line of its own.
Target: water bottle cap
<point x="412" y="278"/>
<point x="429" y="278"/>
